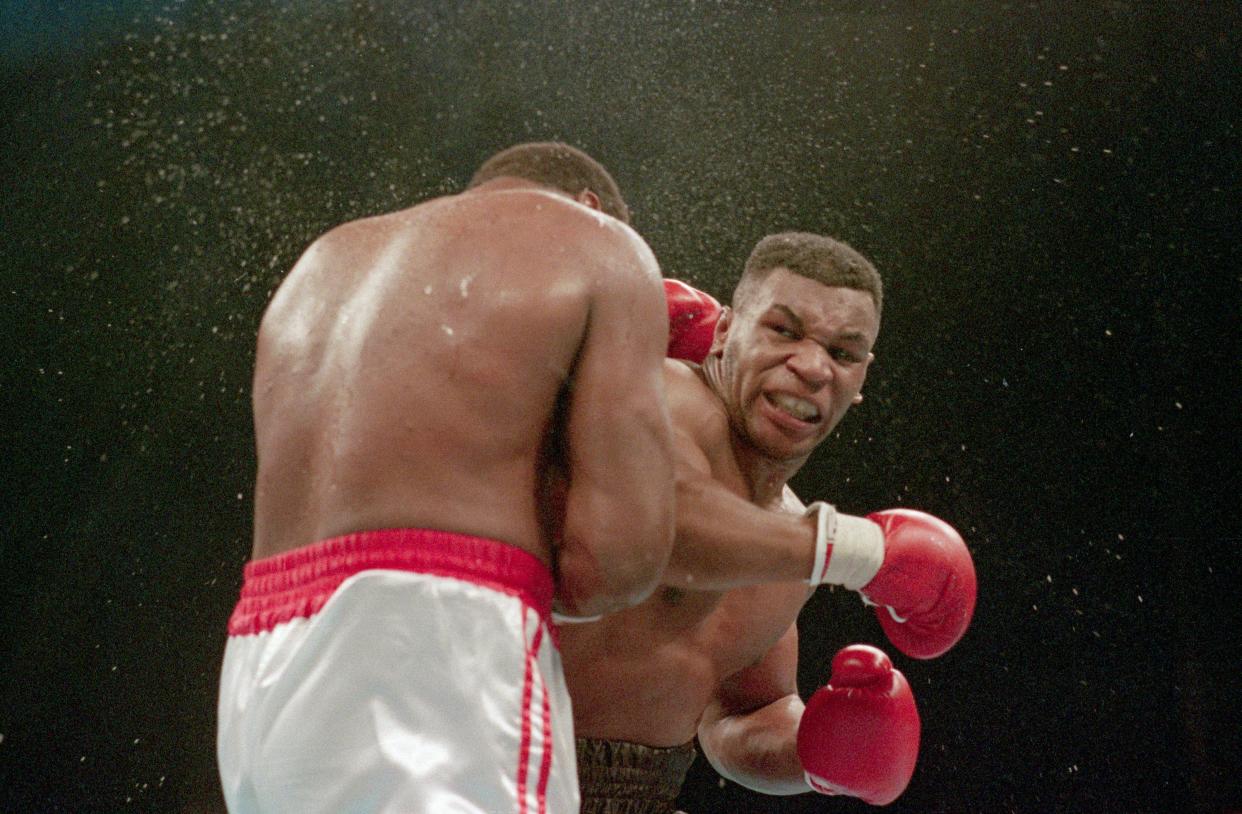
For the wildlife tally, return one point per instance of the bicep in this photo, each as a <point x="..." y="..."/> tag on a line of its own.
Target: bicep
<point x="617" y="405"/>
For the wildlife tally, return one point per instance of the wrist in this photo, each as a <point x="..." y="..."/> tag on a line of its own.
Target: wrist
<point x="848" y="550"/>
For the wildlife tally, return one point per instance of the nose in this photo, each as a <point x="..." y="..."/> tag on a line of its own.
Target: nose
<point x="811" y="363"/>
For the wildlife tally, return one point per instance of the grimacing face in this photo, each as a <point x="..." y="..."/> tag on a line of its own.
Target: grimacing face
<point x="793" y="359"/>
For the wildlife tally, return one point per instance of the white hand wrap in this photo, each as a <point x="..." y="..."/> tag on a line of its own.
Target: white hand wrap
<point x="857" y="548"/>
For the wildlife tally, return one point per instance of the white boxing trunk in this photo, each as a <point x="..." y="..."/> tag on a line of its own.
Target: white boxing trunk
<point x="396" y="671"/>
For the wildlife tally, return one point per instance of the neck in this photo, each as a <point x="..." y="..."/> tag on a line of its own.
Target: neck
<point x="508" y="182"/>
<point x="767" y="477"/>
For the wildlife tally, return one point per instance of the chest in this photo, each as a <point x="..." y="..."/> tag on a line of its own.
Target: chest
<point x="735" y="629"/>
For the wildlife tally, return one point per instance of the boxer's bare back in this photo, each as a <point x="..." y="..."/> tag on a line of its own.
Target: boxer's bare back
<point x="415" y="369"/>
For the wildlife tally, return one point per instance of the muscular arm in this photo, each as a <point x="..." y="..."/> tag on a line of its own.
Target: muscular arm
<point x="749" y="730"/>
<point x="619" y="505"/>
<point x="723" y="540"/>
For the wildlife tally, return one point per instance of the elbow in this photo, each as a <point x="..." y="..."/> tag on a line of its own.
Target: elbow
<point x="733" y="764"/>
<point x="755" y="750"/>
<point x="608" y="565"/>
<point x="584" y="589"/>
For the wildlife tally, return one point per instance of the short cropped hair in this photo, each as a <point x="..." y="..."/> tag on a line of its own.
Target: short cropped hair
<point x="556" y="165"/>
<point x="815" y="257"/>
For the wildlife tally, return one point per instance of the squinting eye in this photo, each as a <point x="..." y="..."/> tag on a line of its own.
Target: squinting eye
<point x="842" y="355"/>
<point x="788" y="333"/>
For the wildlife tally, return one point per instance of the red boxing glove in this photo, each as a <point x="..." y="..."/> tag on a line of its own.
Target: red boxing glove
<point x="926" y="584"/>
<point x="859" y="735"/>
<point x="692" y="316"/>
<point x="914" y="565"/>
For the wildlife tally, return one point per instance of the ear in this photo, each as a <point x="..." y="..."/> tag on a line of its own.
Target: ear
<point x="721" y="331"/>
<point x="588" y="198"/>
<point x="859" y="397"/>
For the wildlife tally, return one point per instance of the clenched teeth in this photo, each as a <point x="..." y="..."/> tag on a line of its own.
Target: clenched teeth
<point x="800" y="409"/>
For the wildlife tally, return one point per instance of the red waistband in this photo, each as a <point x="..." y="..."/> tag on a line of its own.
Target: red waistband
<point x="297" y="583"/>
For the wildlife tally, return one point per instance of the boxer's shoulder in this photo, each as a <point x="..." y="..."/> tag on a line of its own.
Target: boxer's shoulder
<point x="550" y="219"/>
<point x="701" y="426"/>
<point x="693" y="406"/>
<point x="531" y="202"/>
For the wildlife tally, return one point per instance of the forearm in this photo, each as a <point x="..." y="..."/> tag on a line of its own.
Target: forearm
<point x="757" y="749"/>
<point x="724" y="541"/>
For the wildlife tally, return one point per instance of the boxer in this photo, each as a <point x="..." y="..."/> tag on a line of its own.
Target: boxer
<point x="417" y="376"/>
<point x="713" y="652"/>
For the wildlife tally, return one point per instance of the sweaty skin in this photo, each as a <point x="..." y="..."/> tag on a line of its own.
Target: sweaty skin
<point x="425" y="368"/>
<point x="713" y="651"/>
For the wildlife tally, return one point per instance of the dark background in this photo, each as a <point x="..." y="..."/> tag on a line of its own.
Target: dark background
<point x="1050" y="191"/>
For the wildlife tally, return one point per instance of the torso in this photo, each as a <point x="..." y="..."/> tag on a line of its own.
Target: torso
<point x="647" y="673"/>
<point x="409" y="369"/>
